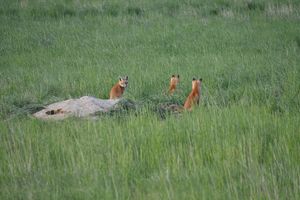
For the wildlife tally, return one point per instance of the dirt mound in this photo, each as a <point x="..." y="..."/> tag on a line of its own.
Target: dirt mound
<point x="82" y="107"/>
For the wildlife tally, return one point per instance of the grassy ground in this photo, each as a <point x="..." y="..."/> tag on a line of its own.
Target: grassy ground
<point x="242" y="142"/>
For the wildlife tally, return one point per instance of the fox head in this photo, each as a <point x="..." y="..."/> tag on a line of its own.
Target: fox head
<point x="196" y="83"/>
<point x="123" y="81"/>
<point x="174" y="79"/>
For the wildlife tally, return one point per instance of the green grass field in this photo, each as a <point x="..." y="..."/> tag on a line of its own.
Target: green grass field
<point x="242" y="142"/>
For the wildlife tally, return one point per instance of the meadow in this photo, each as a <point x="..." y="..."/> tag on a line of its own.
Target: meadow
<point x="242" y="142"/>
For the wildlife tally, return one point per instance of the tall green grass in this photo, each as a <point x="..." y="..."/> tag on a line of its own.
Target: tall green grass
<point x="227" y="153"/>
<point x="242" y="142"/>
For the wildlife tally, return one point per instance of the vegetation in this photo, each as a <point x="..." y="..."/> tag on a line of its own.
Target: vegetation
<point x="242" y="142"/>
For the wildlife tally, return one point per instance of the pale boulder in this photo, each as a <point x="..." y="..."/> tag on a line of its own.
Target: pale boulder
<point x="83" y="107"/>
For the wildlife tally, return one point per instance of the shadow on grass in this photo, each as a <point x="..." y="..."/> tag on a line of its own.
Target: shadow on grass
<point x="20" y="108"/>
<point x="252" y="5"/>
<point x="297" y="39"/>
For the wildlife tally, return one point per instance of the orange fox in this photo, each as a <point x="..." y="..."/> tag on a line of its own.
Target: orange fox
<point x="173" y="83"/>
<point x="118" y="89"/>
<point x="194" y="96"/>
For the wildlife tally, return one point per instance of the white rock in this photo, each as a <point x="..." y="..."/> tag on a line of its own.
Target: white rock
<point x="82" y="107"/>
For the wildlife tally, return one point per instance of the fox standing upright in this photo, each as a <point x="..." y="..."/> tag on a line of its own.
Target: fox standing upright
<point x="118" y="89"/>
<point x="194" y="96"/>
<point x="173" y="83"/>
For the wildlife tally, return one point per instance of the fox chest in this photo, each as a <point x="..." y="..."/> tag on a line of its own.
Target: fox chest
<point x="119" y="90"/>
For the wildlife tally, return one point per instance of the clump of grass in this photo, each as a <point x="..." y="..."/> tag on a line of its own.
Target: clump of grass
<point x="122" y="110"/>
<point x="280" y="10"/>
<point x="20" y="108"/>
<point x="252" y="5"/>
<point x="169" y="8"/>
<point x="62" y="11"/>
<point x="214" y="11"/>
<point x="92" y="11"/>
<point x="297" y="39"/>
<point x="135" y="11"/>
<point x="57" y="12"/>
<point x="227" y="13"/>
<point x="111" y="9"/>
<point x="223" y="9"/>
<point x="12" y="13"/>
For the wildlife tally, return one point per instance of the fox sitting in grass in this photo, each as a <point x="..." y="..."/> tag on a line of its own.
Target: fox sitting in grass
<point x="173" y="83"/>
<point x="192" y="99"/>
<point x="118" y="89"/>
<point x="194" y="96"/>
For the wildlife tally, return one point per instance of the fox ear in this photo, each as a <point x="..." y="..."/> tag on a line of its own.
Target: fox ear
<point x="126" y="77"/>
<point x="120" y="78"/>
<point x="178" y="76"/>
<point x="173" y="76"/>
<point x="194" y="78"/>
<point x="200" y="79"/>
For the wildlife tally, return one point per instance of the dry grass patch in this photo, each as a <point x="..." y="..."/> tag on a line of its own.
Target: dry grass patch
<point x="284" y="10"/>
